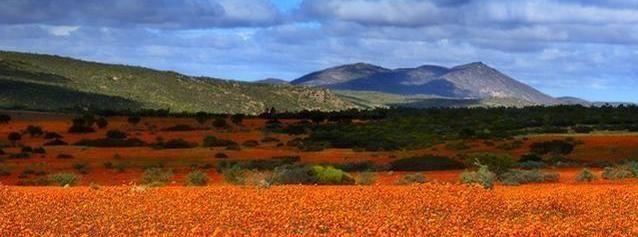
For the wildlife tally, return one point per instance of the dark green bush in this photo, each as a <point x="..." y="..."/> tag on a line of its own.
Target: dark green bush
<point x="64" y="156"/>
<point x="414" y="178"/>
<point x="107" y="142"/>
<point x="196" y="178"/>
<point x="497" y="163"/>
<point x="180" y="128"/>
<point x="212" y="141"/>
<point x="64" y="178"/>
<point x="518" y="177"/>
<point x="585" y="176"/>
<point x="56" y="142"/>
<point x="557" y="147"/>
<point x="221" y="156"/>
<point x="250" y="143"/>
<point x="116" y="134"/>
<point x="177" y="143"/>
<point x="156" y="176"/>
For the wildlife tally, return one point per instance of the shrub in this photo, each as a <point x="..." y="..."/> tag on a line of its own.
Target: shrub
<point x="331" y="175"/>
<point x="4" y="118"/>
<point x="425" y="163"/>
<point x="292" y="174"/>
<point x="108" y="165"/>
<point x="196" y="178"/>
<point x="156" y="176"/>
<point x="518" y="177"/>
<point x="134" y="119"/>
<point x="233" y="147"/>
<point x="366" y="178"/>
<point x="56" y="142"/>
<point x="530" y="157"/>
<point x="483" y="176"/>
<point x="180" y="127"/>
<point x="360" y="166"/>
<point x="414" y="178"/>
<point x="116" y="134"/>
<point x="221" y="156"/>
<point x="557" y="147"/>
<point x="497" y="163"/>
<point x="583" y="129"/>
<point x="617" y="172"/>
<point x="21" y="155"/>
<point x="585" y="176"/>
<point x="237" y="118"/>
<point x="2" y="152"/>
<point x="219" y="123"/>
<point x="64" y="178"/>
<point x="39" y="150"/>
<point x="269" y="139"/>
<point x="102" y="122"/>
<point x="26" y="149"/>
<point x="295" y="142"/>
<point x="83" y="168"/>
<point x="120" y="166"/>
<point x="34" y="131"/>
<point x="107" y="142"/>
<point x="457" y="146"/>
<point x="64" y="156"/>
<point x="212" y="141"/>
<point x="250" y="143"/>
<point x="531" y="165"/>
<point x="4" y="171"/>
<point x="262" y="164"/>
<point x="14" y="137"/>
<point x="177" y="143"/>
<point x="52" y="135"/>
<point x="235" y="175"/>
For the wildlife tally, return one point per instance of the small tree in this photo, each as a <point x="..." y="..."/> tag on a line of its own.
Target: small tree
<point x="14" y="137"/>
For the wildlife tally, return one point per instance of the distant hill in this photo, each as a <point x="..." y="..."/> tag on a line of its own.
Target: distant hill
<point x="474" y="81"/>
<point x="573" y="101"/>
<point x="272" y="81"/>
<point x="45" y="82"/>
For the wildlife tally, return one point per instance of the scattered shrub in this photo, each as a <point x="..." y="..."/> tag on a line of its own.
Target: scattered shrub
<point x="116" y="134"/>
<point x="34" y="131"/>
<point x="156" y="176"/>
<point x="64" y="178"/>
<point x="414" y="178"/>
<point x="457" y="146"/>
<point x="196" y="178"/>
<point x="558" y="147"/>
<point x="269" y="139"/>
<point x="483" y="176"/>
<point x="107" y="142"/>
<point x="617" y="172"/>
<point x="64" y="156"/>
<point x="4" y="118"/>
<point x="497" y="163"/>
<point x="583" y="129"/>
<point x="108" y="165"/>
<point x="82" y="168"/>
<point x="366" y="178"/>
<point x="21" y="155"/>
<point x="518" y="177"/>
<point x="14" y="137"/>
<point x="219" y="122"/>
<point x="233" y="147"/>
<point x="179" y="128"/>
<point x="292" y="174"/>
<point x="250" y="143"/>
<point x="26" y="149"/>
<point x="102" y="122"/>
<point x="531" y="165"/>
<point x="2" y="152"/>
<point x="425" y="163"/>
<point x="212" y="141"/>
<point x="4" y="171"/>
<point x="585" y="176"/>
<point x="360" y="166"/>
<point x="177" y="143"/>
<point x="530" y="157"/>
<point x="221" y="156"/>
<point x="52" y="135"/>
<point x="39" y="150"/>
<point x="262" y="164"/>
<point x="234" y="175"/>
<point x="56" y="142"/>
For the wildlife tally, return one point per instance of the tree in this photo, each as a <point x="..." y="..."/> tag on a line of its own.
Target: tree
<point x="14" y="137"/>
<point x="201" y="117"/>
<point x="237" y="118"/>
<point x="134" y="119"/>
<point x="102" y="122"/>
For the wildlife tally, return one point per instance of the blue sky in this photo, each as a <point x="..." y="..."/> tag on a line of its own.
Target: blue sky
<point x="582" y="48"/>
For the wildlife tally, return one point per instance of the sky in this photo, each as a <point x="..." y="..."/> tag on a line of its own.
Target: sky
<point x="581" y="48"/>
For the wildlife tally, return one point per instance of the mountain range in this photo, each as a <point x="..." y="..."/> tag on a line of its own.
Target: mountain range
<point x="473" y="81"/>
<point x="49" y="82"/>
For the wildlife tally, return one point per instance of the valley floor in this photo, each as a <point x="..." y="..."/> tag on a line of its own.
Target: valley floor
<point x="603" y="209"/>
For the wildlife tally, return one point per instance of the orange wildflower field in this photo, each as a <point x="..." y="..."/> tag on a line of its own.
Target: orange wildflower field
<point x="417" y="210"/>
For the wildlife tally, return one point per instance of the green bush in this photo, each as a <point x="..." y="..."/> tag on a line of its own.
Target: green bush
<point x="292" y="174"/>
<point x="212" y="141"/>
<point x="220" y="155"/>
<point x="156" y="176"/>
<point x="331" y="175"/>
<point x="414" y="178"/>
<point x="585" y="176"/>
<point x="531" y="165"/>
<point x="196" y="178"/>
<point x="177" y="143"/>
<point x="64" y="178"/>
<point x="83" y="168"/>
<point x="425" y="163"/>
<point x="497" y="163"/>
<point x="518" y="177"/>
<point x="483" y="176"/>
<point x="108" y="142"/>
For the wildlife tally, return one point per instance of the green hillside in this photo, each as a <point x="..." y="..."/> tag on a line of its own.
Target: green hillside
<point x="372" y="99"/>
<point x="44" y="82"/>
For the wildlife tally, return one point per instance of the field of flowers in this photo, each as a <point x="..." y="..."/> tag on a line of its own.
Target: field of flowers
<point x="609" y="209"/>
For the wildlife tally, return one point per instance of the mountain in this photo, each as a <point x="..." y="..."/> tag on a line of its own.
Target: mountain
<point x="46" y="82"/>
<point x="469" y="81"/>
<point x="573" y="101"/>
<point x="272" y="81"/>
